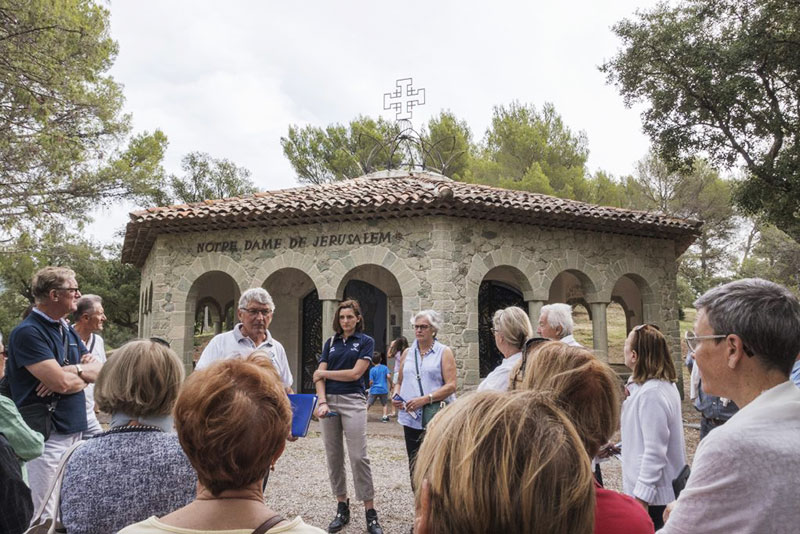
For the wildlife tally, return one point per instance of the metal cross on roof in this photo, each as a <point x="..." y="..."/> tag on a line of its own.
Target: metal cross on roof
<point x="404" y="99"/>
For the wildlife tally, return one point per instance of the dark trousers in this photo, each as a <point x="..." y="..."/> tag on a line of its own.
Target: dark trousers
<point x="414" y="439"/>
<point x="657" y="515"/>
<point x="707" y="425"/>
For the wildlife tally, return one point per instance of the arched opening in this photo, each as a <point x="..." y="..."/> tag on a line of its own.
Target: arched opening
<point x="207" y="317"/>
<point x="208" y="290"/>
<point x="290" y="289"/>
<point x="381" y="300"/>
<point x="617" y="321"/>
<point x="633" y="293"/>
<point x="500" y="288"/>
<point x="573" y="287"/>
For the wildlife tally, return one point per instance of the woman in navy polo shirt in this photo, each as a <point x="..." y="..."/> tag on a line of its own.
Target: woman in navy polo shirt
<point x="342" y="409"/>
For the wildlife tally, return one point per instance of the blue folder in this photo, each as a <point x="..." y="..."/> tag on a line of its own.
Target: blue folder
<point x="303" y="405"/>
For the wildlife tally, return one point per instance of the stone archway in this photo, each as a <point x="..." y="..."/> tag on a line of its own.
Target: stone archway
<point x="500" y="288"/>
<point x="381" y="300"/>
<point x="290" y="289"/>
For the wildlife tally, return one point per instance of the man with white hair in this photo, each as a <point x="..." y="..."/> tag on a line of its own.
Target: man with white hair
<point x="555" y="322"/>
<point x="744" y="475"/>
<point x="251" y="334"/>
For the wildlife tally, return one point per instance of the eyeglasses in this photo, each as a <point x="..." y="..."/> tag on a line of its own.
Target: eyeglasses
<point x="421" y="326"/>
<point x="693" y="340"/>
<point x="70" y="289"/>
<point x="254" y="312"/>
<point x="532" y="342"/>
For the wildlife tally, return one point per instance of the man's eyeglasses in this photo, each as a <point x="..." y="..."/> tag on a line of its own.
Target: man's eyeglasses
<point x="254" y="312"/>
<point x="693" y="341"/>
<point x="421" y="326"/>
<point x="70" y="289"/>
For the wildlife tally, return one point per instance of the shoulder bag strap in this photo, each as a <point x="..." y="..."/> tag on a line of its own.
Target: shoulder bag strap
<point x="55" y="487"/>
<point x="91" y="345"/>
<point x="419" y="378"/>
<point x="268" y="524"/>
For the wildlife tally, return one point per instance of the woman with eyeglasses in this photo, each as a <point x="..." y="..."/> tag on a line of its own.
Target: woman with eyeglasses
<point x="511" y="328"/>
<point x="427" y="377"/>
<point x="653" y="451"/>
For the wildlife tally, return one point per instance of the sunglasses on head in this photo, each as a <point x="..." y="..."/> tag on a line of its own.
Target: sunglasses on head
<point x="531" y="343"/>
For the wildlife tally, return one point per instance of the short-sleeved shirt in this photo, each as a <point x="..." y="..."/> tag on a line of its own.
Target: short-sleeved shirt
<point x="343" y="354"/>
<point x="39" y="338"/>
<point x="378" y="376"/>
<point x="234" y="344"/>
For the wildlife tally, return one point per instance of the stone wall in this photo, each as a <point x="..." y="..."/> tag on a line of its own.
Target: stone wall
<point x="438" y="262"/>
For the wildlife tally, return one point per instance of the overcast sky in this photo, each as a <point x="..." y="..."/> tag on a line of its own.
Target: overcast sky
<point x="228" y="78"/>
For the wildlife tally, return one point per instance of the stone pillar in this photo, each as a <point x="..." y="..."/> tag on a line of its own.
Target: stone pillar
<point x="600" y="329"/>
<point x="328" y="310"/>
<point x="217" y="327"/>
<point x="534" y="309"/>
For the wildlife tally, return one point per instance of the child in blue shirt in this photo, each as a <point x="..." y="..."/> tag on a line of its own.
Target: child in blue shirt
<point x="380" y="383"/>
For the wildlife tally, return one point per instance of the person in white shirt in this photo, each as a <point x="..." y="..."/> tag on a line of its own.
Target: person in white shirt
<point x="555" y="322"/>
<point x="255" y="312"/>
<point x="653" y="449"/>
<point x="87" y="320"/>
<point x="744" y="475"/>
<point x="511" y="328"/>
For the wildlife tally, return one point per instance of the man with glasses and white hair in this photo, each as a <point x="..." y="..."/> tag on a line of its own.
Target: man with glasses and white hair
<point x="744" y="475"/>
<point x="251" y="334"/>
<point x="555" y="322"/>
<point x="87" y="320"/>
<point x="48" y="369"/>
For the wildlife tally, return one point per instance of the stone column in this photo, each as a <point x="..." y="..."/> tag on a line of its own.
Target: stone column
<point x="600" y="329"/>
<point x="534" y="309"/>
<point x="328" y="310"/>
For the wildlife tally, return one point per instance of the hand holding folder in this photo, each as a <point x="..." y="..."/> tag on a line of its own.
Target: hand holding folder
<point x="303" y="405"/>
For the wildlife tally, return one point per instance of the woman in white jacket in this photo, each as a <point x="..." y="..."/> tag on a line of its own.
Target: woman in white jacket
<point x="653" y="450"/>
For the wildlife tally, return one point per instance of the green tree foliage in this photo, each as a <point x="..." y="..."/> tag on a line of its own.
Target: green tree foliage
<point x="98" y="271"/>
<point x="206" y="178"/>
<point x="699" y="193"/>
<point x="447" y="146"/>
<point x="721" y="79"/>
<point x="775" y="257"/>
<point x="61" y="127"/>
<point x="533" y="150"/>
<point x="340" y="152"/>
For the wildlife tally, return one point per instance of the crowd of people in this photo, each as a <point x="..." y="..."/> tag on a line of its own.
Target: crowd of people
<point x="520" y="454"/>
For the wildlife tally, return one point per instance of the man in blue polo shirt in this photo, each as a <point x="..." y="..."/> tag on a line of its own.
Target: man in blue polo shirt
<point x="49" y="364"/>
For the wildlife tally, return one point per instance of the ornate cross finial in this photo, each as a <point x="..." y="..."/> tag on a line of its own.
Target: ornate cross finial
<point x="404" y="94"/>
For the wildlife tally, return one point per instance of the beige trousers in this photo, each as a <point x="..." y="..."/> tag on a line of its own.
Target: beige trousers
<point x="352" y="422"/>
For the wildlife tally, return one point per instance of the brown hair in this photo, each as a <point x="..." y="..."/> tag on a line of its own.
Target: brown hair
<point x="141" y="378"/>
<point x="505" y="462"/>
<point x="353" y="305"/>
<point x="48" y="279"/>
<point x="653" y="358"/>
<point x="587" y="389"/>
<point x="232" y="420"/>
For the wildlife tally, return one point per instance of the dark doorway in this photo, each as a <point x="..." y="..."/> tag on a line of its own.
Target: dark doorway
<point x="373" y="309"/>
<point x="311" y="327"/>
<point x="493" y="296"/>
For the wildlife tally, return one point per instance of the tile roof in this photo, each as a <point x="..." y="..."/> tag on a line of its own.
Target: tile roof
<point x="391" y="195"/>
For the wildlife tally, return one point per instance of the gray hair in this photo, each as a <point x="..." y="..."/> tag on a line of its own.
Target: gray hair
<point x="559" y="314"/>
<point x="765" y="315"/>
<point x="433" y="317"/>
<point x="86" y="304"/>
<point x="258" y="294"/>
<point x="514" y="325"/>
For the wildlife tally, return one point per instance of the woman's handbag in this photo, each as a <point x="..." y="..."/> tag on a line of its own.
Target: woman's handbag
<point x="680" y="481"/>
<point x="429" y="410"/>
<point x="54" y="525"/>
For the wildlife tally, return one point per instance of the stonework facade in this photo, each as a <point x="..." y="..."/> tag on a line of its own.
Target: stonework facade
<point x="425" y="261"/>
